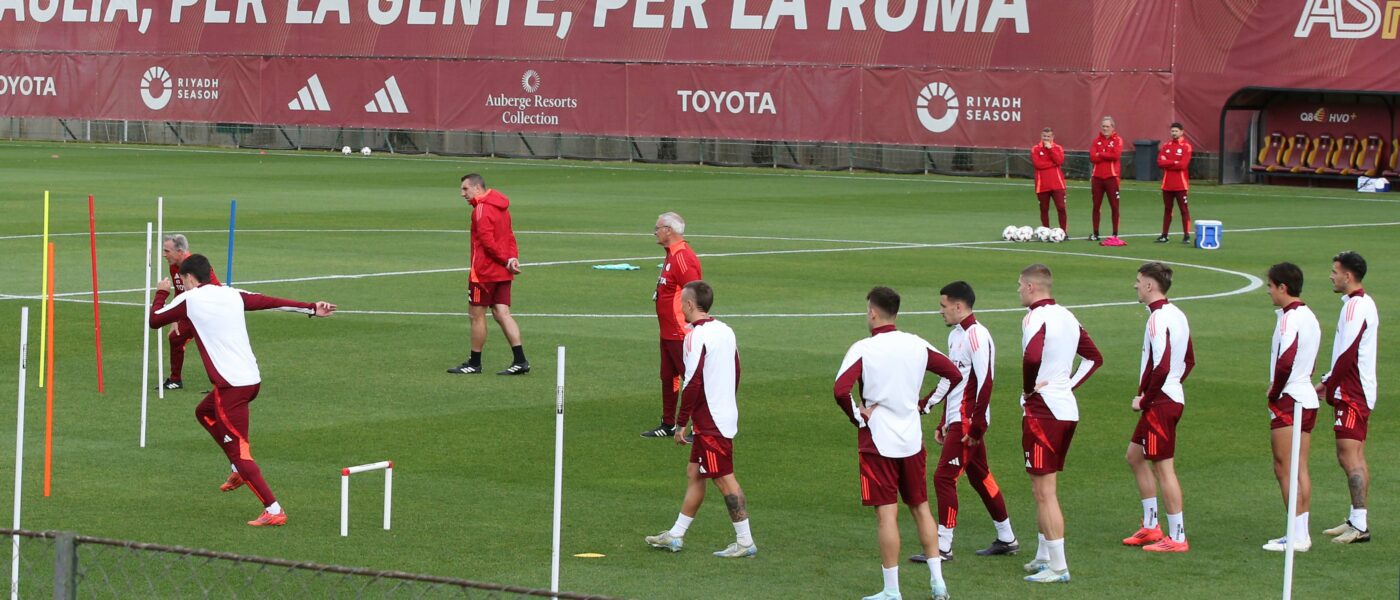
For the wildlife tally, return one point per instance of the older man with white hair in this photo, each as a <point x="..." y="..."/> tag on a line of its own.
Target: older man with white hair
<point x="176" y="248"/>
<point x="680" y="267"/>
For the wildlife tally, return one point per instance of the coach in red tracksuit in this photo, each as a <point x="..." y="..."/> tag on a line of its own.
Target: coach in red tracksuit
<point x="1046" y="157"/>
<point x="1108" y="172"/>
<point x="495" y="261"/>
<point x="1175" y="160"/>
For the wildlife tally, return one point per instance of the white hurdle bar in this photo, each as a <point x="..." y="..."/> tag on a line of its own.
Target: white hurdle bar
<point x="388" y="466"/>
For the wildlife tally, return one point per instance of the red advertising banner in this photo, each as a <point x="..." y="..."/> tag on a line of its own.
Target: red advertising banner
<point x="1008" y="110"/>
<point x="744" y="102"/>
<point x="1334" y="118"/>
<point x="976" y="73"/>
<point x="1077" y="34"/>
<point x="536" y="97"/>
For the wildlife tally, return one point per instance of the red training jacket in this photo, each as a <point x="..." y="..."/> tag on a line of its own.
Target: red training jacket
<point x="1105" y="154"/>
<point x="493" y="240"/>
<point x="1175" y="159"/>
<point x="1048" y="176"/>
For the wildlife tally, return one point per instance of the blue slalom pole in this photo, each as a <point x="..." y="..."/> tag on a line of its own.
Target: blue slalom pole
<point x="232" y="218"/>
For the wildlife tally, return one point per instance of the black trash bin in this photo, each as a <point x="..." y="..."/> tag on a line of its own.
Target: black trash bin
<point x="1145" y="160"/>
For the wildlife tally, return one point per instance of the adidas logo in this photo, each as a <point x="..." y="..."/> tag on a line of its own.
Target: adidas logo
<point x="311" y="97"/>
<point x="227" y="439"/>
<point x="955" y="462"/>
<point x="388" y="99"/>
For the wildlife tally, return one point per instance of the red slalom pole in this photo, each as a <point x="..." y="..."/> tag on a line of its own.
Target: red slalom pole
<point x="96" y="312"/>
<point x="48" y="387"/>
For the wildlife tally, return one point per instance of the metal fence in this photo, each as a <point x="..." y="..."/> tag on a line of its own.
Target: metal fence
<point x="66" y="566"/>
<point x="827" y="156"/>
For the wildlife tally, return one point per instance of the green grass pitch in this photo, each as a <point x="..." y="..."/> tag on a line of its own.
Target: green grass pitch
<point x="791" y="255"/>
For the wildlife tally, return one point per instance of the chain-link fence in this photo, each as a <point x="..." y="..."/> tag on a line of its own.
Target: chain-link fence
<point x="827" y="156"/>
<point x="65" y="566"/>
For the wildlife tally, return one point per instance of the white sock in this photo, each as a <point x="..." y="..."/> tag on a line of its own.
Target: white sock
<point x="945" y="539"/>
<point x="891" y="578"/>
<point x="741" y="533"/>
<point x="1300" y="527"/>
<point x="935" y="571"/>
<point x="1004" y="533"/>
<point x="1358" y="518"/>
<point x="275" y="509"/>
<point x="1175" y="528"/>
<point x="1149" y="512"/>
<point x="1057" y="554"/>
<point x="682" y="524"/>
<point x="1042" y="551"/>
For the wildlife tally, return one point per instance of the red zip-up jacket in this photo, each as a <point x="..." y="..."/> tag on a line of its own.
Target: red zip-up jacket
<point x="1175" y="159"/>
<point x="1105" y="154"/>
<point x="1048" y="176"/>
<point x="493" y="240"/>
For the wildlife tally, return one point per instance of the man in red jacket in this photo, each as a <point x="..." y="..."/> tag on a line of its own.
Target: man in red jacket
<point x="1108" y="173"/>
<point x="1175" y="160"/>
<point x="1046" y="157"/>
<point x="494" y="263"/>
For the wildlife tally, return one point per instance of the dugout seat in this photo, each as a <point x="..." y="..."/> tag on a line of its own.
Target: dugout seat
<point x="1321" y="154"/>
<point x="1368" y="158"/>
<point x="1293" y="155"/>
<point x="1343" y="157"/>
<point x="1269" y="155"/>
<point x="1393" y="170"/>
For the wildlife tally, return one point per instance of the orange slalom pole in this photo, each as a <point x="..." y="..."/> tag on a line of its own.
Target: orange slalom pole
<point x="48" y="388"/>
<point x="96" y="313"/>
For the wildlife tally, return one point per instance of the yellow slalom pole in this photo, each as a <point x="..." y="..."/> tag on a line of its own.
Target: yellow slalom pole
<point x="44" y="286"/>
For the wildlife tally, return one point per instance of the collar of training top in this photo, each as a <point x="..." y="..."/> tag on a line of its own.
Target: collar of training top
<point x="1356" y="294"/>
<point x="968" y="322"/>
<point x="1157" y="304"/>
<point x="1040" y="303"/>
<point x="882" y="329"/>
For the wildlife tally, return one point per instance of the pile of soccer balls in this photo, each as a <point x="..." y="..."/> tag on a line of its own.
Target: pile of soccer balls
<point x="1013" y="233"/>
<point x="347" y="151"/>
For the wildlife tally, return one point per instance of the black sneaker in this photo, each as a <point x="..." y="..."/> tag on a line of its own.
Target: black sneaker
<point x="1186" y="239"/>
<point x="999" y="547"/>
<point x="1162" y="239"/>
<point x="465" y="368"/>
<point x="662" y="431"/>
<point x="172" y="384"/>
<point x="519" y="368"/>
<point x="1094" y="237"/>
<point x="919" y="558"/>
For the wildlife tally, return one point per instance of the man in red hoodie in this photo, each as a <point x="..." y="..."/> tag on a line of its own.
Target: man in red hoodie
<point x="1108" y="172"/>
<point x="1046" y="157"/>
<point x="1175" y="160"/>
<point x="494" y="263"/>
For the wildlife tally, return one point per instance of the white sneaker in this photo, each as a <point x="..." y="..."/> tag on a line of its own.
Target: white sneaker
<point x="1338" y="530"/>
<point x="884" y="595"/>
<point x="1281" y="544"/>
<point x="666" y="541"/>
<point x="736" y="550"/>
<point x="1352" y="536"/>
<point x="1049" y="576"/>
<point x="1036" y="566"/>
<point x="940" y="592"/>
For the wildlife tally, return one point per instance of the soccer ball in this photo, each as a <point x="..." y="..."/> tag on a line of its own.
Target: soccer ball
<point x="1009" y="234"/>
<point x="345" y="150"/>
<point x="365" y="151"/>
<point x="1042" y="234"/>
<point x="1024" y="234"/>
<point x="1057" y="235"/>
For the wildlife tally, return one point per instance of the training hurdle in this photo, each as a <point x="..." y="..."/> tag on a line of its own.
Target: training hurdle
<point x="388" y="466"/>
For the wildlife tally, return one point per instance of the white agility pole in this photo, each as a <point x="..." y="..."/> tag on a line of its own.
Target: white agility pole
<point x="388" y="466"/>
<point x="146" y="337"/>
<point x="19" y="448"/>
<point x="160" y="333"/>
<point x="1292" y="534"/>
<point x="558" y="470"/>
